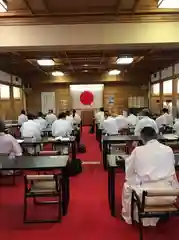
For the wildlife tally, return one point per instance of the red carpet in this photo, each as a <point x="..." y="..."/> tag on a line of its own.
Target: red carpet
<point x="88" y="217"/>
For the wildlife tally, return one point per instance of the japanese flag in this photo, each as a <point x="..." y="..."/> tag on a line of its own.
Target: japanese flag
<point x="87" y="96"/>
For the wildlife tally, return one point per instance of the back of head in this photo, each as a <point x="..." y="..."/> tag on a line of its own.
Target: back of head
<point x="131" y="112"/>
<point x="23" y="111"/>
<point x="61" y="115"/>
<point x="2" y="126"/>
<point x="147" y="134"/>
<point x="165" y="110"/>
<point x="50" y="111"/>
<point x="40" y="114"/>
<point x="106" y="114"/>
<point x="67" y="113"/>
<point x="73" y="112"/>
<point x="30" y="116"/>
<point x="145" y="113"/>
<point x="101" y="109"/>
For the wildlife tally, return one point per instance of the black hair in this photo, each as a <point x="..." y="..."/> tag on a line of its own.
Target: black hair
<point x="165" y="110"/>
<point x="148" y="133"/>
<point x="101" y="109"/>
<point x="67" y="113"/>
<point x="61" y="115"/>
<point x="50" y="110"/>
<point x="145" y="112"/>
<point x="2" y="126"/>
<point x="40" y="114"/>
<point x="22" y="111"/>
<point x="30" y="116"/>
<point x="106" y="114"/>
<point x="73" y="112"/>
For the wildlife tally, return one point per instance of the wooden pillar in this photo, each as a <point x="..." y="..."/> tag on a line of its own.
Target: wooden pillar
<point x="161" y="90"/>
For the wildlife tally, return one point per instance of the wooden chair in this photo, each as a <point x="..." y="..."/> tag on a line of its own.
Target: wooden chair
<point x="155" y="203"/>
<point x="38" y="186"/>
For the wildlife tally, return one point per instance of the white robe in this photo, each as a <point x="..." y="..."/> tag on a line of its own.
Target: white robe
<point x="99" y="117"/>
<point x="176" y="126"/>
<point x="31" y="130"/>
<point x="22" y="119"/>
<point x="76" y="119"/>
<point x="132" y="119"/>
<point x="9" y="145"/>
<point x="145" y="122"/>
<point x="149" y="166"/>
<point x="109" y="126"/>
<point x="165" y="119"/>
<point x="41" y="122"/>
<point x="122" y="122"/>
<point x="50" y="118"/>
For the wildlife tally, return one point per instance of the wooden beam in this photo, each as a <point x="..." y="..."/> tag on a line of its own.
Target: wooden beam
<point x="135" y="5"/>
<point x="118" y="6"/>
<point x="28" y="6"/>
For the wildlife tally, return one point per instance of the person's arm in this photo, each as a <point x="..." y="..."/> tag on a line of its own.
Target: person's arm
<point x="129" y="165"/>
<point x="16" y="148"/>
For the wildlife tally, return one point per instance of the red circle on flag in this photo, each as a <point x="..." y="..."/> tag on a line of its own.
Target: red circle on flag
<point x="86" y="98"/>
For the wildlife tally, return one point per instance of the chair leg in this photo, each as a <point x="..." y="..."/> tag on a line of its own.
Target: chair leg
<point x="140" y="227"/>
<point x="132" y="208"/>
<point x="59" y="207"/>
<point x="25" y="208"/>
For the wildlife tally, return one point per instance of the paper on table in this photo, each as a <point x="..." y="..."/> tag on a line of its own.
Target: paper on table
<point x="62" y="138"/>
<point x="20" y="140"/>
<point x="170" y="136"/>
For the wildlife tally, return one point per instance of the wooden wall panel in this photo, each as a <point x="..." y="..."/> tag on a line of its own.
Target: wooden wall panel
<point x="121" y="94"/>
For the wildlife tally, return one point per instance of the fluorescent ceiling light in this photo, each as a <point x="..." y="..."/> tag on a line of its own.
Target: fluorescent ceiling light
<point x="3" y="6"/>
<point x="57" y="74"/>
<point x="46" y="62"/>
<point x="168" y="4"/>
<point x="124" y="60"/>
<point x="85" y="65"/>
<point x="114" y="72"/>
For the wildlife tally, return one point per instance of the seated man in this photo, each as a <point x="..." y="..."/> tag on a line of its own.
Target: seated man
<point x="8" y="145"/>
<point x="176" y="127"/>
<point x="146" y="121"/>
<point x="30" y="130"/>
<point x="165" y="119"/>
<point x="109" y="125"/>
<point x="51" y="117"/>
<point x="132" y="119"/>
<point x="149" y="166"/>
<point x="62" y="128"/>
<point x="122" y="122"/>
<point x="41" y="121"/>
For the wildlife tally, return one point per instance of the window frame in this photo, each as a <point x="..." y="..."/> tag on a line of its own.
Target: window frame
<point x="168" y="93"/>
<point x="15" y="87"/>
<point x="152" y="88"/>
<point x="9" y="96"/>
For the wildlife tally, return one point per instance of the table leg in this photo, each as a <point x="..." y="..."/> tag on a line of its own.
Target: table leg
<point x="111" y="190"/>
<point x="74" y="150"/>
<point x="65" y="192"/>
<point x="105" y="156"/>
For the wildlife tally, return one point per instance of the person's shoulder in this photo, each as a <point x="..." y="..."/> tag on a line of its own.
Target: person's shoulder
<point x="165" y="147"/>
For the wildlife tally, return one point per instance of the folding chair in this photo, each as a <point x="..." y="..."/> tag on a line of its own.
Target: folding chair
<point x="38" y="186"/>
<point x="155" y="203"/>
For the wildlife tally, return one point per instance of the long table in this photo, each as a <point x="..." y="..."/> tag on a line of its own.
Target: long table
<point x="40" y="163"/>
<point x="128" y="139"/>
<point x="32" y="143"/>
<point x="112" y="167"/>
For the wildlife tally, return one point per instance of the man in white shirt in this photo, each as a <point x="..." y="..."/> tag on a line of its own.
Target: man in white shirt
<point x="109" y="125"/>
<point x="69" y="118"/>
<point x="51" y="117"/>
<point x="165" y="119"/>
<point x="132" y="119"/>
<point x="61" y="128"/>
<point x="149" y="166"/>
<point x="100" y="115"/>
<point x="31" y="130"/>
<point x="176" y="126"/>
<point x="41" y="121"/>
<point x="22" y="118"/>
<point x="76" y="117"/>
<point x="8" y="145"/>
<point x="122" y="122"/>
<point x="146" y="121"/>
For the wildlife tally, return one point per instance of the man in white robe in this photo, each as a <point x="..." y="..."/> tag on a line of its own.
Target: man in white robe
<point x="22" y="118"/>
<point x="51" y="117"/>
<point x="176" y="127"/>
<point x="132" y="119"/>
<point x="31" y="130"/>
<point x="146" y="121"/>
<point x="165" y="119"/>
<point x="61" y="128"/>
<point x="8" y="145"/>
<point x="41" y="121"/>
<point x="122" y="122"/>
<point x="149" y="166"/>
<point x="76" y="118"/>
<point x="99" y="115"/>
<point x="109" y="125"/>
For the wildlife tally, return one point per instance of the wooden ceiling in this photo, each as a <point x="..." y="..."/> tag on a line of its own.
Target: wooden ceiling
<point x="24" y="64"/>
<point x="84" y="11"/>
